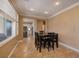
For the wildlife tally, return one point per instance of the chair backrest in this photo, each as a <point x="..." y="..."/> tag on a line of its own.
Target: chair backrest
<point x="41" y="32"/>
<point x="51" y="32"/>
<point x="36" y="34"/>
<point x="53" y="35"/>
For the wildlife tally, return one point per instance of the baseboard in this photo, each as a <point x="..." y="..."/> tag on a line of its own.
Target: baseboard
<point x="67" y="46"/>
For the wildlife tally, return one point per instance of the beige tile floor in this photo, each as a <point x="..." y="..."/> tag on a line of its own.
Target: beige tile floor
<point x="26" y="49"/>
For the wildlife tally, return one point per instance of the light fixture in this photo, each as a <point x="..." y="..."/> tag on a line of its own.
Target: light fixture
<point x="57" y="3"/>
<point x="32" y="9"/>
<point x="46" y="12"/>
<point x="29" y="29"/>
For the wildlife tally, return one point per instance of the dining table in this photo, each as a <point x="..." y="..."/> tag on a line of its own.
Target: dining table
<point x="46" y="39"/>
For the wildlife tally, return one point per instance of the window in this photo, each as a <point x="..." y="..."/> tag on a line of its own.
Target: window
<point x="7" y="28"/>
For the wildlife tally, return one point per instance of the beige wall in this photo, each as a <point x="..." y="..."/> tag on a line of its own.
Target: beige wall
<point x="39" y="25"/>
<point x="2" y="25"/>
<point x="67" y="25"/>
<point x="20" y="36"/>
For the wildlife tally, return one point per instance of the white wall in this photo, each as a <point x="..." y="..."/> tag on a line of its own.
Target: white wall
<point x="2" y="25"/>
<point x="8" y="11"/>
<point x="6" y="7"/>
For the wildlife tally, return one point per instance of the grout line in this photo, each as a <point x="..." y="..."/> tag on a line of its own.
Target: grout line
<point x="12" y="51"/>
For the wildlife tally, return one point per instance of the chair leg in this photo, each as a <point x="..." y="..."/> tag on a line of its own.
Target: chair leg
<point x="40" y="47"/>
<point x="37" y="47"/>
<point x="53" y="45"/>
<point x="44" y="44"/>
<point x="57" y="41"/>
<point x="35" y="43"/>
<point x="57" y="44"/>
<point x="48" y="46"/>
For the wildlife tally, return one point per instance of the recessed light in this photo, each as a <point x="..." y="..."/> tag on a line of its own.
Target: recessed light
<point x="46" y="12"/>
<point x="57" y="3"/>
<point x="32" y="9"/>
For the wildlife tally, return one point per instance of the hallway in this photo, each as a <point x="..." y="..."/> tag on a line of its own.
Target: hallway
<point x="26" y="49"/>
<point x="21" y="18"/>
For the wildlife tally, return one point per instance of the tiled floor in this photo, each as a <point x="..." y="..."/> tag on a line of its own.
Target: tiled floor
<point x="26" y="49"/>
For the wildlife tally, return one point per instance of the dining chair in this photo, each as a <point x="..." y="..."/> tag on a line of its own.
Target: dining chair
<point x="38" y="41"/>
<point x="54" y="38"/>
<point x="48" y="42"/>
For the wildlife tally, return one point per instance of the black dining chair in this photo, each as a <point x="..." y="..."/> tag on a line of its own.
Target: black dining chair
<point x="54" y="38"/>
<point x="51" y="41"/>
<point x="41" y="32"/>
<point x="44" y="41"/>
<point x="38" y="41"/>
<point x="48" y="42"/>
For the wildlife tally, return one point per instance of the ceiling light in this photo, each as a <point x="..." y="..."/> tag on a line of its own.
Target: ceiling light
<point x="31" y="9"/>
<point x="57" y="3"/>
<point x="46" y="12"/>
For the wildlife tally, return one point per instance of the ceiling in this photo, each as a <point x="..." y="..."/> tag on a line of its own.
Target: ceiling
<point x="41" y="8"/>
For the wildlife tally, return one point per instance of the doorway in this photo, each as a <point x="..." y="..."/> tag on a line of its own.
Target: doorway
<point x="27" y="29"/>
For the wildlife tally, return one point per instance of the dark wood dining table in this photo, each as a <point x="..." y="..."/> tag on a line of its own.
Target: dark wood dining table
<point x="45" y="37"/>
